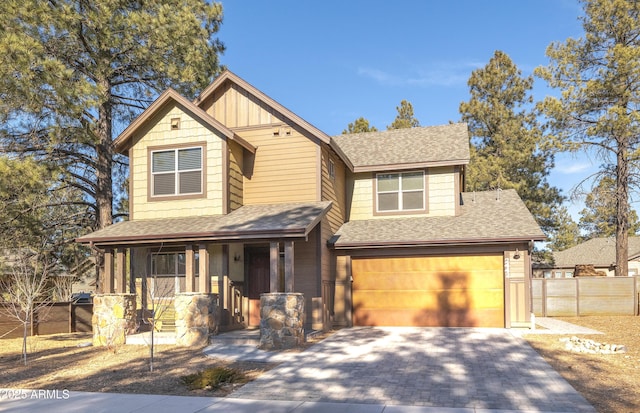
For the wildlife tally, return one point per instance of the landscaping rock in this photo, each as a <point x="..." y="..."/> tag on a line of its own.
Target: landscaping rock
<point x="581" y="345"/>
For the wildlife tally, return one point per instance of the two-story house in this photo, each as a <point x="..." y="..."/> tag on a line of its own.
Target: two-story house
<point x="235" y="194"/>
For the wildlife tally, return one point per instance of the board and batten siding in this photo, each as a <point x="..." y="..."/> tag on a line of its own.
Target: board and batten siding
<point x="160" y="134"/>
<point x="284" y="167"/>
<point x="236" y="180"/>
<point x="235" y="107"/>
<point x="441" y="194"/>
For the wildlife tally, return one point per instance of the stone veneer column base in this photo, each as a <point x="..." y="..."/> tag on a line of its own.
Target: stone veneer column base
<point x="281" y="320"/>
<point x="195" y="318"/>
<point x="114" y="317"/>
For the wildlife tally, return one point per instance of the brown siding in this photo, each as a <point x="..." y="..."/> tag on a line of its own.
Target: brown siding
<point x="284" y="167"/>
<point x="236" y="108"/>
<point x="235" y="176"/>
<point x="306" y="266"/>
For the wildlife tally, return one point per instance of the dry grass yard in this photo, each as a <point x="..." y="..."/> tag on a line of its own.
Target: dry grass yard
<point x="56" y="362"/>
<point x="611" y="383"/>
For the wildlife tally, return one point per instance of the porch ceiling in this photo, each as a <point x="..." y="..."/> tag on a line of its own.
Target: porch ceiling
<point x="259" y="222"/>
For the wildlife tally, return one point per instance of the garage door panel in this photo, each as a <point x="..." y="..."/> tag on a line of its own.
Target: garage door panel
<point x="421" y="264"/>
<point x="428" y="318"/>
<point x="429" y="291"/>
<point x="395" y="281"/>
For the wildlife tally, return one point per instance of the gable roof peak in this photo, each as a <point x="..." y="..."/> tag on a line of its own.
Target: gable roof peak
<point x="123" y="141"/>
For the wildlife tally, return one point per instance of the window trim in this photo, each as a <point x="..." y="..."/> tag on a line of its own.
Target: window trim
<point x="425" y="187"/>
<point x="153" y="149"/>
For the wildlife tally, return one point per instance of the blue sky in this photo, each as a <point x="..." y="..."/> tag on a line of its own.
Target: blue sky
<point x="331" y="62"/>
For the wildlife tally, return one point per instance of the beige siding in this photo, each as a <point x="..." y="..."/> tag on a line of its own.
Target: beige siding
<point x="360" y="187"/>
<point x="442" y="188"/>
<point x="284" y="168"/>
<point x="160" y="134"/>
<point x="236" y="198"/>
<point x="440" y="201"/>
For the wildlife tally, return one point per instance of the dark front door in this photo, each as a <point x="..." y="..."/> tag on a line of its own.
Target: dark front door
<point x="257" y="280"/>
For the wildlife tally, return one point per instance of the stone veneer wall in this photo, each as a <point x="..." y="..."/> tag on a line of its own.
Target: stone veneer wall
<point x="195" y="318"/>
<point x="281" y="320"/>
<point x="114" y="317"/>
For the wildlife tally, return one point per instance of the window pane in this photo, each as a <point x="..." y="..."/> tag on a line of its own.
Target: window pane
<point x="163" y="264"/>
<point x="388" y="182"/>
<point x="182" y="266"/>
<point x="412" y="181"/>
<point x="164" y="184"/>
<point x="388" y="202"/>
<point x="163" y="161"/>
<point x="189" y="159"/>
<point x="413" y="200"/>
<point x="190" y="182"/>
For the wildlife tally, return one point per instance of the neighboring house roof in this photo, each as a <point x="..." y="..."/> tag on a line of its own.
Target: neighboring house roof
<point x="406" y="148"/>
<point x="123" y="142"/>
<point x="599" y="252"/>
<point x="495" y="216"/>
<point x="293" y="220"/>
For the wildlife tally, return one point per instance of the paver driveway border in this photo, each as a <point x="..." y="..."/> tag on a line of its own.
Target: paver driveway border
<point x="480" y="368"/>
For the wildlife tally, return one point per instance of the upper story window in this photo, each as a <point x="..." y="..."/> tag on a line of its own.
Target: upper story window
<point x="400" y="191"/>
<point x="177" y="172"/>
<point x="332" y="169"/>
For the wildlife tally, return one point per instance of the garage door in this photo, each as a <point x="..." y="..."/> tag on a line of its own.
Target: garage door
<point x="445" y="291"/>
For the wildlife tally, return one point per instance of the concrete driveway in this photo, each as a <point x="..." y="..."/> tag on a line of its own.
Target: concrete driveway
<point x="440" y="367"/>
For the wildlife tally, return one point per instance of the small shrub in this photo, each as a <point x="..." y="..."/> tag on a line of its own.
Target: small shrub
<point x="213" y="378"/>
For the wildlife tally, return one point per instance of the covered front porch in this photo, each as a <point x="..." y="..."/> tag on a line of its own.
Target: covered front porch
<point x="210" y="274"/>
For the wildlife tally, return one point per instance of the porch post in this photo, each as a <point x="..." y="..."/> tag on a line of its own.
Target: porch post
<point x="274" y="270"/>
<point x="121" y="273"/>
<point x="108" y="272"/>
<point x="223" y="288"/>
<point x="132" y="272"/>
<point x="204" y="276"/>
<point x="288" y="267"/>
<point x="190" y="269"/>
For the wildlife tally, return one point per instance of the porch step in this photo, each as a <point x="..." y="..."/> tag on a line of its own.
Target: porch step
<point x="248" y="337"/>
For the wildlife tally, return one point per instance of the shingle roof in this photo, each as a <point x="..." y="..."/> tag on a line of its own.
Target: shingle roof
<point x="247" y="222"/>
<point x="406" y="148"/>
<point x="485" y="216"/>
<point x="600" y="252"/>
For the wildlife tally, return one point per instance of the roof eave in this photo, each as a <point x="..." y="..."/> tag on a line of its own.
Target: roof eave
<point x="194" y="237"/>
<point x="434" y="243"/>
<point x="413" y="165"/>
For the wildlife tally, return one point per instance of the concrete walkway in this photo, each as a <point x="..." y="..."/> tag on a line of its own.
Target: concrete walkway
<point x="555" y="326"/>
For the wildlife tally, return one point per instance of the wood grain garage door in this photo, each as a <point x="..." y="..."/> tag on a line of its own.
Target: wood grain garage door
<point x="447" y="291"/>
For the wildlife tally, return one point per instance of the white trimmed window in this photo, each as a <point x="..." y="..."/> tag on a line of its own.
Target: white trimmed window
<point x="400" y="191"/>
<point x="176" y="172"/>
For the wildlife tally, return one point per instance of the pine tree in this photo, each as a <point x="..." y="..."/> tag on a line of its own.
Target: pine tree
<point x="597" y="111"/>
<point x="505" y="147"/>
<point x="72" y="70"/>
<point x="358" y="126"/>
<point x="404" y="118"/>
